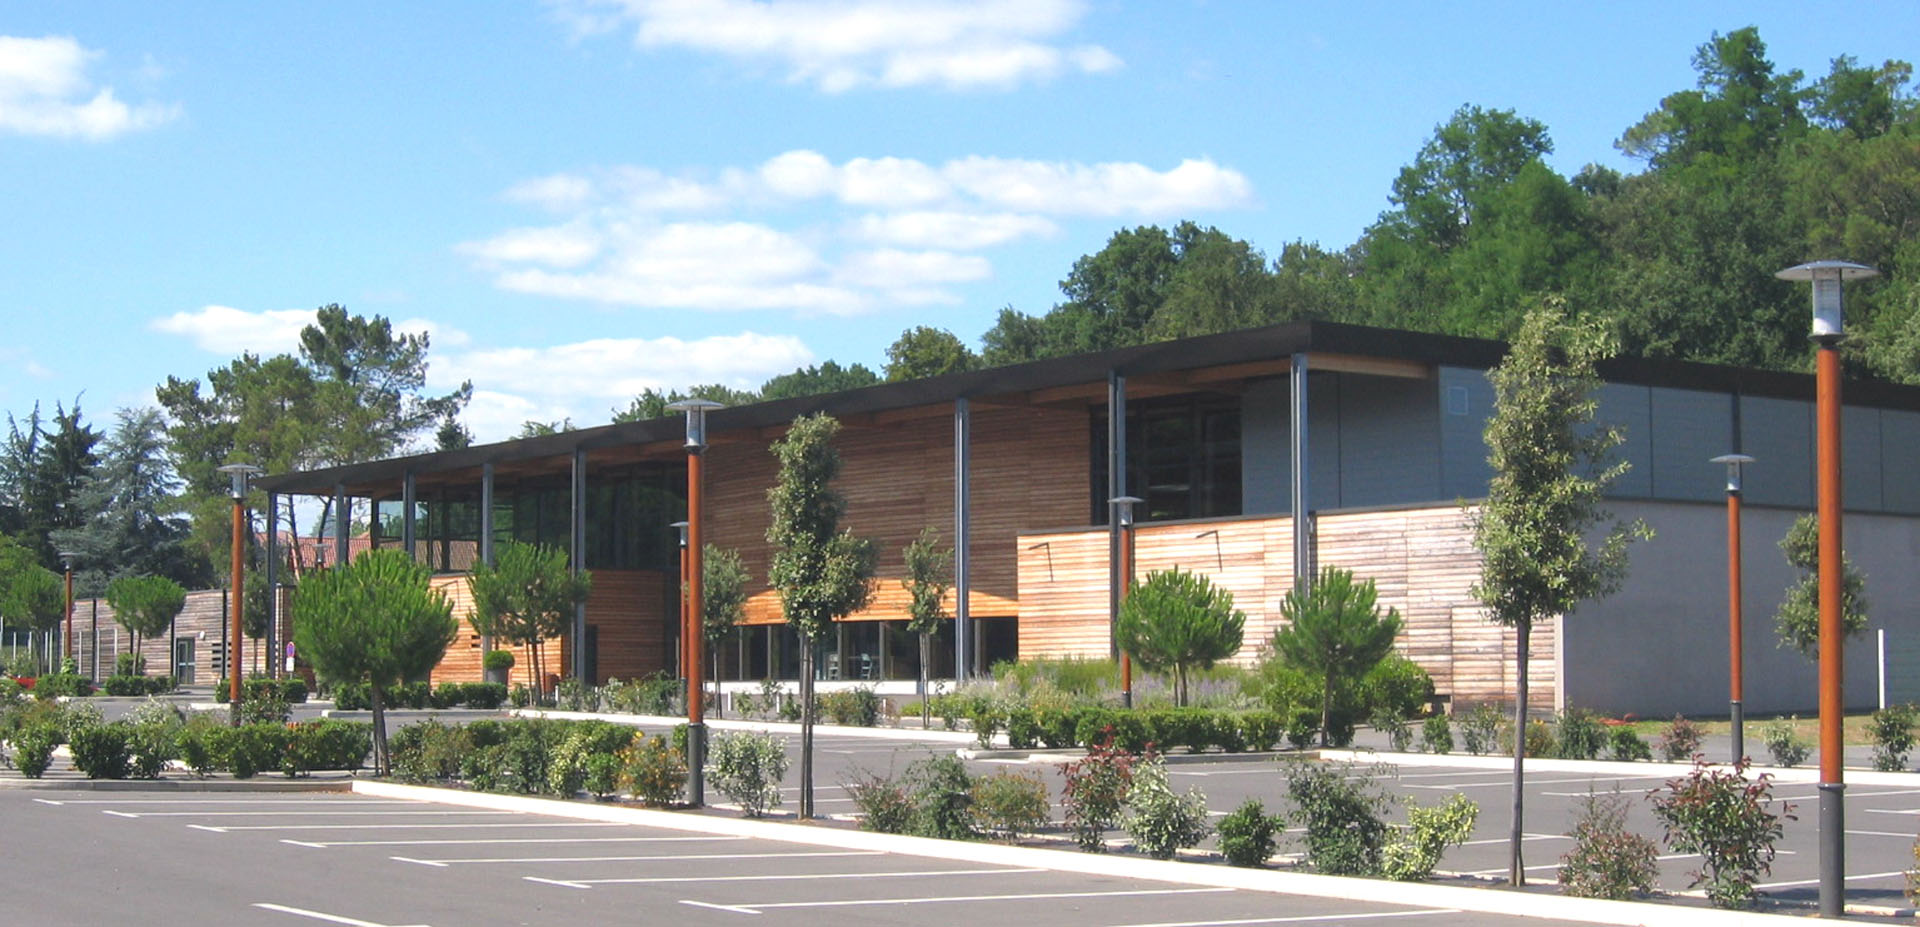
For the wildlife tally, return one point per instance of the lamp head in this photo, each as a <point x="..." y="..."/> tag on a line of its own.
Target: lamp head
<point x="1125" y="504"/>
<point x="241" y="473"/>
<point x="1734" y="463"/>
<point x="696" y="410"/>
<point x="1826" y="276"/>
<point x="683" y="532"/>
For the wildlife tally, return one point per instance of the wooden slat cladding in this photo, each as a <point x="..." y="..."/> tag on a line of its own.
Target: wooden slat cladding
<point x="1030" y="468"/>
<point x="1422" y="561"/>
<point x="628" y="611"/>
<point x="462" y="660"/>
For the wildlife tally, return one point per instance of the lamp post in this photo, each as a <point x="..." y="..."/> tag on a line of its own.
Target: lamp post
<point x="696" y="410"/>
<point x="1828" y="330"/>
<point x="1124" y="507"/>
<point x="681" y="526"/>
<point x="240" y="473"/>
<point x="66" y="563"/>
<point x="1735" y="664"/>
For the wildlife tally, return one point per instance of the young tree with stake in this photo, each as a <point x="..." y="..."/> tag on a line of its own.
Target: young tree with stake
<point x="1337" y="632"/>
<point x="929" y="576"/>
<point x="145" y="606"/>
<point x="527" y="597"/>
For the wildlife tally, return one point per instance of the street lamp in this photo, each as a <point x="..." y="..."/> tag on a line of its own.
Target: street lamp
<point x="681" y="526"/>
<point x="696" y="410"/>
<point x="66" y="562"/>
<point x="1734" y="635"/>
<point x="1827" y="277"/>
<point x="240" y="473"/>
<point x="1124" y="507"/>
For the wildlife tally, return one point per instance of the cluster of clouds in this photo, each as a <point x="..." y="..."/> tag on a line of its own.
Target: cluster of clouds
<point x="45" y="91"/>
<point x="842" y="45"/>
<point x="803" y="234"/>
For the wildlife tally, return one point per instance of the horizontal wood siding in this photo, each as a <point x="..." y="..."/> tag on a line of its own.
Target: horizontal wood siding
<point x="628" y="612"/>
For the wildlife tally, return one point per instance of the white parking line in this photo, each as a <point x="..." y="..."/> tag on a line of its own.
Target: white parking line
<point x="1475" y="843"/>
<point x="1503" y="869"/>
<point x="227" y="801"/>
<point x="759" y="907"/>
<point x="491" y="840"/>
<point x="1301" y="919"/>
<point x="1880" y="833"/>
<point x="291" y="814"/>
<point x="1488" y="785"/>
<point x="781" y="877"/>
<point x="1851" y="878"/>
<point x="318" y="916"/>
<point x="223" y="828"/>
<point x="443" y="863"/>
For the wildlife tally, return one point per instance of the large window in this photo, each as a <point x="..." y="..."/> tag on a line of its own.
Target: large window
<point x="629" y="518"/>
<point x="1183" y="458"/>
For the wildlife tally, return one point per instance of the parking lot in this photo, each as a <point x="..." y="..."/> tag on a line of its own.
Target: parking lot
<point x="95" y="857"/>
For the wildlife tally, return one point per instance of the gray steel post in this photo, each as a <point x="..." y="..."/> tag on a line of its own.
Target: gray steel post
<point x="578" y="517"/>
<point x="962" y="531"/>
<point x="1302" y="514"/>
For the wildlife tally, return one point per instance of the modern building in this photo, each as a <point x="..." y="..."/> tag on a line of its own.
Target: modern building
<point x="1376" y="435"/>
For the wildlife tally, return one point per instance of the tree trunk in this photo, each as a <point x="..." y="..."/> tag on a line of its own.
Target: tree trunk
<point x="1517" y="868"/>
<point x="379" y="731"/>
<point x="714" y="678"/>
<point x="1326" y="708"/>
<point x="926" y="667"/>
<point x="806" y="727"/>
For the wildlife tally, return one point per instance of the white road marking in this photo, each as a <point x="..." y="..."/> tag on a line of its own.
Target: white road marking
<point x="293" y="814"/>
<point x="759" y="907"/>
<point x="318" y="916"/>
<point x="1851" y="878"/>
<point x="413" y="826"/>
<point x="736" y="909"/>
<point x="1488" y="785"/>
<point x="1502" y="870"/>
<point x="789" y="877"/>
<point x="230" y="801"/>
<point x="121" y="814"/>
<point x="1475" y="843"/>
<point x="207" y="827"/>
<point x="1301" y="919"/>
<point x="488" y="840"/>
<point x="1880" y="833"/>
<point x="560" y="882"/>
<point x="49" y="801"/>
<point x="610" y="859"/>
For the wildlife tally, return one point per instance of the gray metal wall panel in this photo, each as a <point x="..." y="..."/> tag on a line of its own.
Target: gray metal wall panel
<point x="1389" y="441"/>
<point x="1266" y="454"/>
<point x="1899" y="455"/>
<point x="1466" y="399"/>
<point x="1627" y="408"/>
<point x="1324" y="439"/>
<point x="1778" y="433"/>
<point x="1860" y="459"/>
<point x="1690" y="428"/>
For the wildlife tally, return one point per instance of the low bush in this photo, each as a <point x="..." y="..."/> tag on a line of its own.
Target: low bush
<point x="747" y="768"/>
<point x="575" y="695"/>
<point x="1783" y="742"/>
<point x="101" y="751"/>
<point x="483" y="695"/>
<point x="1580" y="735"/>
<point x="1341" y="807"/>
<point x="497" y="660"/>
<point x="1892" y="731"/>
<point x="941" y="791"/>
<point x="264" y="704"/>
<point x="326" y="743"/>
<point x="883" y="805"/>
<point x="1246" y="834"/>
<point x="447" y="695"/>
<point x="653" y="771"/>
<point x="1479" y="729"/>
<point x="602" y="779"/>
<point x="247" y="750"/>
<point x="129" y="664"/>
<point x="33" y="749"/>
<point x="1436" y="735"/>
<point x="1261" y="730"/>
<point x="1160" y="821"/>
<point x="1625" y="745"/>
<point x="1399" y="732"/>
<point x="1725" y="817"/>
<point x="1011" y="804"/>
<point x="1607" y="859"/>
<point x="1680" y="741"/>
<point x="195" y="742"/>
<point x="1023" y="728"/>
<point x="150" y="746"/>
<point x="136" y="685"/>
<point x="353" y="696"/>
<point x="56" y="685"/>
<point x="655" y="695"/>
<point x="1398" y="686"/>
<point x="429" y="751"/>
<point x="1096" y="792"/>
<point x="858" y="707"/>
<point x="1415" y="852"/>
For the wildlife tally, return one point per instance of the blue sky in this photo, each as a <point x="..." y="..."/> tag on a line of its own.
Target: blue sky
<point x="583" y="199"/>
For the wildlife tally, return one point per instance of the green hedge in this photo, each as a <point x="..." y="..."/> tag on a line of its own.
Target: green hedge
<point x="136" y="685"/>
<point x="292" y="689"/>
<point x="356" y="696"/>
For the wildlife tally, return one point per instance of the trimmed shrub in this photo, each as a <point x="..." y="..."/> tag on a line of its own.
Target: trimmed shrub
<point x="1341" y="808"/>
<point x="653" y="771"/>
<point x="1261" y="730"/>
<point x="941" y="791"/>
<point x="125" y="686"/>
<point x="129" y="664"/>
<point x="1680" y="741"/>
<point x="326" y="743"/>
<point x="883" y="805"/>
<point x="1399" y="732"/>
<point x="429" y="751"/>
<point x="1580" y="735"/>
<point x="747" y="768"/>
<point x="352" y="696"/>
<point x="1415" y="852"/>
<point x="1724" y="817"/>
<point x="1398" y="686"/>
<point x="602" y="779"/>
<point x="1783" y="742"/>
<point x="195" y="741"/>
<point x="1095" y="793"/>
<point x="1626" y="746"/>
<point x="1011" y="804"/>
<point x="858" y="707"/>
<point x="1161" y="822"/>
<point x="246" y="750"/>
<point x="33" y="749"/>
<point x="1479" y="729"/>
<point x="1436" y="735"/>
<point x="101" y="751"/>
<point x="55" y="685"/>
<point x="483" y="695"/>
<point x="1540" y="739"/>
<point x="1246" y="835"/>
<point x="151" y="744"/>
<point x="1023" y="728"/>
<point x="1607" y="859"/>
<point x="447" y="695"/>
<point x="1892" y="731"/>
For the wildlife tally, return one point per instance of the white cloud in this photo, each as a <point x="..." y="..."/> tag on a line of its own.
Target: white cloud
<point x="568" y="245"/>
<point x="44" y="91"/>
<point x="586" y="380"/>
<point x="439" y="334"/>
<point x="226" y="330"/>
<point x="1108" y="189"/>
<point x="557" y="192"/>
<point x="890" y="269"/>
<point x="960" y="230"/>
<point x="838" y="45"/>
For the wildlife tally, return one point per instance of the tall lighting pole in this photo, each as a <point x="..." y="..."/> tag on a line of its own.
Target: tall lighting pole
<point x="240" y="473"/>
<point x="1735" y="663"/>
<point x="1124" y="577"/>
<point x="681" y="526"/>
<point x="1827" y="332"/>
<point x="66" y="563"/>
<point x="696" y="410"/>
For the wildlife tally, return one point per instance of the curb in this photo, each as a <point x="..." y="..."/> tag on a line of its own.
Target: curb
<point x="759" y="727"/>
<point x="1486" y="901"/>
<point x="1797" y="775"/>
<point x="179" y="785"/>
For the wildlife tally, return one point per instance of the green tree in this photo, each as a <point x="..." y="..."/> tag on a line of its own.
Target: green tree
<point x="653" y="404"/>
<point x="828" y="377"/>
<point x="723" y="601"/>
<point x="527" y="597"/>
<point x="1798" y="620"/>
<point x="130" y="500"/>
<point x="1549" y="474"/>
<point x="923" y="351"/>
<point x="821" y="572"/>
<point x="1177" y="621"/>
<point x="376" y="620"/>
<point x="145" y="605"/>
<point x="31" y="596"/>
<point x="1741" y="110"/>
<point x="1467" y="160"/>
<point x="1335" y="632"/>
<point x="929" y="576"/>
<point x="62" y="462"/>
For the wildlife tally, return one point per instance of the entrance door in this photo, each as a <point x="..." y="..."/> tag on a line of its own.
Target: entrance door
<point x="183" y="661"/>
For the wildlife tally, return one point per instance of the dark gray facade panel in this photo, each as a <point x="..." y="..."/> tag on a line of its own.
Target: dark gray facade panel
<point x="1778" y="433"/>
<point x="1389" y="441"/>
<point x="1860" y="459"/>
<point x="1324" y="439"/>
<point x="1628" y="409"/>
<point x="1266" y="457"/>
<point x="1690" y="428"/>
<point x="1899" y="460"/>
<point x="1466" y="400"/>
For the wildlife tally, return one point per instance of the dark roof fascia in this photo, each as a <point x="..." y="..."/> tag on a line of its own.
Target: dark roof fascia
<point x="1256" y="344"/>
